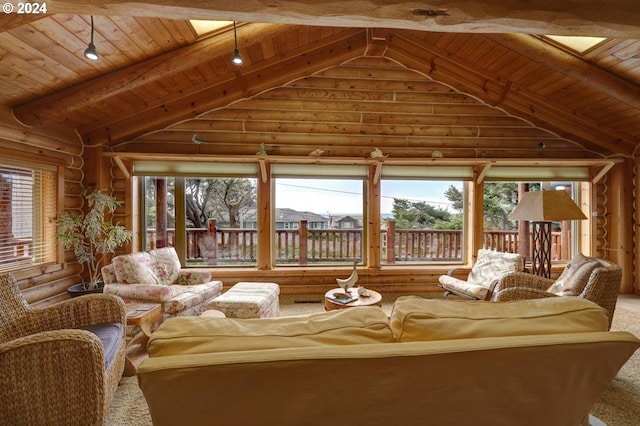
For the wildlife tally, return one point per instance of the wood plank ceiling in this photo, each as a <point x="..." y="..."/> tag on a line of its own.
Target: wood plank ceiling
<point x="155" y="71"/>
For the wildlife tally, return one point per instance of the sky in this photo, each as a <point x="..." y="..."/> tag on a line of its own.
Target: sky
<point x="341" y="196"/>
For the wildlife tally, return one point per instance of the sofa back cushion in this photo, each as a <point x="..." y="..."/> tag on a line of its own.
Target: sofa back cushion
<point x="575" y="276"/>
<point x="165" y="264"/>
<point x="491" y="265"/>
<point x="159" y="266"/>
<point x="416" y="319"/>
<point x="134" y="268"/>
<point x="201" y="335"/>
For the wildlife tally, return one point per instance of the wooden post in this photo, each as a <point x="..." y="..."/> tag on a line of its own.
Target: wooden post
<point x="391" y="241"/>
<point x="162" y="238"/>
<point x="524" y="235"/>
<point x="210" y="243"/>
<point x="303" y="235"/>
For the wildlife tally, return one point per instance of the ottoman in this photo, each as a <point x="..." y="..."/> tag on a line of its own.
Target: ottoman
<point x="248" y="300"/>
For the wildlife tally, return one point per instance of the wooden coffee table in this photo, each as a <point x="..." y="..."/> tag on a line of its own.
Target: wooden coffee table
<point x="144" y="316"/>
<point x="374" y="299"/>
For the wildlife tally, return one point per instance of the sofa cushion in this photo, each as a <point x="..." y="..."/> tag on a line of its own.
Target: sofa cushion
<point x="416" y="319"/>
<point x="110" y="335"/>
<point x="201" y="335"/>
<point x="165" y="264"/>
<point x="575" y="276"/>
<point x="135" y="268"/>
<point x="491" y="265"/>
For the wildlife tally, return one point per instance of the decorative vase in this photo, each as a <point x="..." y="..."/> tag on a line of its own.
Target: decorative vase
<point x="79" y="290"/>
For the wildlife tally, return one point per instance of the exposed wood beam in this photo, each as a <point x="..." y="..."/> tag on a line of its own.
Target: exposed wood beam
<point x="483" y="172"/>
<point x="53" y="137"/>
<point x="277" y="71"/>
<point x="603" y="171"/>
<point x="611" y="18"/>
<point x="449" y="68"/>
<point x="572" y="66"/>
<point x="77" y="97"/>
<point x="122" y="167"/>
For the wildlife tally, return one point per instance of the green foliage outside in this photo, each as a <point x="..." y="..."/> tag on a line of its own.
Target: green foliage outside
<point x="500" y="198"/>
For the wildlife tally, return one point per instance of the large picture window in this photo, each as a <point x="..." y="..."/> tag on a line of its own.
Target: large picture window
<point x="422" y="221"/>
<point x="209" y="219"/>
<point x="318" y="221"/>
<point x="28" y="209"/>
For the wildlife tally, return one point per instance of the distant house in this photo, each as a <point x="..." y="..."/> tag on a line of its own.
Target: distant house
<point x="346" y="222"/>
<point x="290" y="219"/>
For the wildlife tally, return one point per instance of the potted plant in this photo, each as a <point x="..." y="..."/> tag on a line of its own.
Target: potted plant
<point x="92" y="237"/>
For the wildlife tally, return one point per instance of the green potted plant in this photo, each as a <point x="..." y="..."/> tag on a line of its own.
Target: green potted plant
<point x="92" y="237"/>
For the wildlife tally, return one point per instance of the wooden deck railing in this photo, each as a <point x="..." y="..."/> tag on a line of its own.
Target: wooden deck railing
<point x="229" y="246"/>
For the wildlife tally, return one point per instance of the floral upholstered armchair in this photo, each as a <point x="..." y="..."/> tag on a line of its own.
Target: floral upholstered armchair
<point x="488" y="270"/>
<point x="156" y="276"/>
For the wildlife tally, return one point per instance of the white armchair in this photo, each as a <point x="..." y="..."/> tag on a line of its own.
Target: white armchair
<point x="489" y="268"/>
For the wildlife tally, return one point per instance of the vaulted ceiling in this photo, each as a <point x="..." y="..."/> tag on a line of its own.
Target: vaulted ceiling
<point x="154" y="71"/>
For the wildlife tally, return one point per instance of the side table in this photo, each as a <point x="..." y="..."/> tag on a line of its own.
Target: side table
<point x="144" y="316"/>
<point x="374" y="299"/>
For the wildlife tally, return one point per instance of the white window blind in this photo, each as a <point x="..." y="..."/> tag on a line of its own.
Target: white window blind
<point x="27" y="216"/>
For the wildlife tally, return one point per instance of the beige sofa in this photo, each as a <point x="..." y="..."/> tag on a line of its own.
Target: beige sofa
<point x="433" y="362"/>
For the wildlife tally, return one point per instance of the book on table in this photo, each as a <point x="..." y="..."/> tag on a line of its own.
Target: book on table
<point x="342" y="298"/>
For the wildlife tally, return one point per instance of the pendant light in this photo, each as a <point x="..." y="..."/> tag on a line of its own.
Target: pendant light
<point x="90" y="51"/>
<point x="236" y="59"/>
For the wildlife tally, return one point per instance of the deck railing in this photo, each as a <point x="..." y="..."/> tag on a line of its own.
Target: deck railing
<point x="230" y="246"/>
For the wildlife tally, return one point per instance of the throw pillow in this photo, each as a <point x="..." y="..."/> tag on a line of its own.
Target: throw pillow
<point x="575" y="276"/>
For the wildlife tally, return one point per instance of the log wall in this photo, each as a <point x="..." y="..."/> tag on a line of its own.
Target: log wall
<point x="48" y="284"/>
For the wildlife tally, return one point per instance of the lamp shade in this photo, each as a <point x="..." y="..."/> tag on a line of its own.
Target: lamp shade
<point x="546" y="206"/>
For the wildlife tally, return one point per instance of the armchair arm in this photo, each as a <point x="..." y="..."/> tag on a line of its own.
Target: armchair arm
<point x="193" y="276"/>
<point x="66" y="386"/>
<point x="80" y="311"/>
<point x="519" y="293"/>
<point x="523" y="279"/>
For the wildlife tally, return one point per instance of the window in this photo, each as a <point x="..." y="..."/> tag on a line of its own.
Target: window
<point x="503" y="234"/>
<point x="422" y="220"/>
<point x="318" y="221"/>
<point x="28" y="195"/>
<point x="207" y="211"/>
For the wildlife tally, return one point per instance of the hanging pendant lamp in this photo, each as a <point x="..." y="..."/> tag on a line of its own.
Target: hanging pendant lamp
<point x="90" y="51"/>
<point x="236" y="59"/>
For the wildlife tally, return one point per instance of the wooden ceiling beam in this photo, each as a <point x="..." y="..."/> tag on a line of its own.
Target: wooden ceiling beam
<point x="570" y="65"/>
<point x="451" y="69"/>
<point x="266" y="75"/>
<point x="609" y="18"/>
<point x="98" y="89"/>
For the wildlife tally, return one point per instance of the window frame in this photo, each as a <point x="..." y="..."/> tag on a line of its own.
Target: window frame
<point x="51" y="250"/>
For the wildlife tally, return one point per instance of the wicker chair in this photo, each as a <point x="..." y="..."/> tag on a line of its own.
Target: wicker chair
<point x="53" y="371"/>
<point x="591" y="278"/>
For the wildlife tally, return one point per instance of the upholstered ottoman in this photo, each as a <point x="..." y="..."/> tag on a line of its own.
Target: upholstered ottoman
<point x="248" y="300"/>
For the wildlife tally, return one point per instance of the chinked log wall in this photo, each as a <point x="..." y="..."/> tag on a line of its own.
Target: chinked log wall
<point x="346" y="111"/>
<point x="43" y="286"/>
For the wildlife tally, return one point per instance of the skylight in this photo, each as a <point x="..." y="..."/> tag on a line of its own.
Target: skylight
<point x="203" y="27"/>
<point x="579" y="44"/>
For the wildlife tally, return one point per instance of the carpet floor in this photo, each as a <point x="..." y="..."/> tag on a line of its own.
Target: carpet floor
<point x="619" y="405"/>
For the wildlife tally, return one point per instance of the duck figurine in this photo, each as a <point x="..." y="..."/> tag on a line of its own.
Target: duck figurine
<point x="349" y="282"/>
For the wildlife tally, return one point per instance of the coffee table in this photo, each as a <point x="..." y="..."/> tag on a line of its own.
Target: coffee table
<point x="144" y="316"/>
<point x="374" y="299"/>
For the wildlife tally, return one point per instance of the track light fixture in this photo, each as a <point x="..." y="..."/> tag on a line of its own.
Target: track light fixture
<point x="90" y="51"/>
<point x="236" y="59"/>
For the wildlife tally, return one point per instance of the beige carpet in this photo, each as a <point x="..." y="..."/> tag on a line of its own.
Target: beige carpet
<point x="618" y="406"/>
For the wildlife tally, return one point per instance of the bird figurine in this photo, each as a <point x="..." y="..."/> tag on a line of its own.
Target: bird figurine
<point x="349" y="282"/>
<point x="377" y="153"/>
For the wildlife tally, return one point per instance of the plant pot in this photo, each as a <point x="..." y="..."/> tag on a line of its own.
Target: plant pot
<point x="79" y="290"/>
